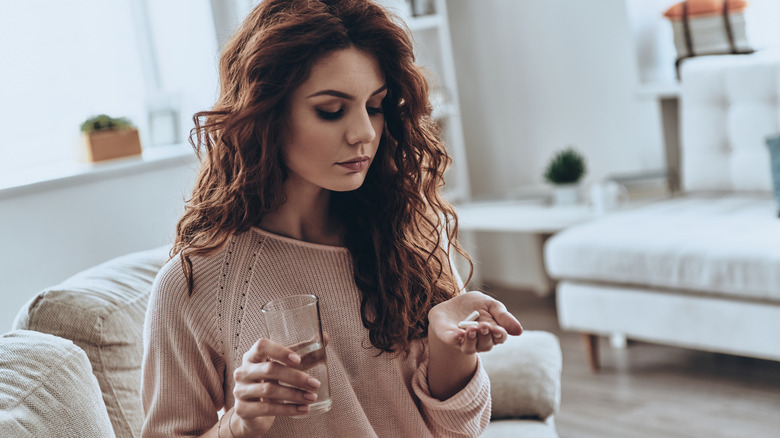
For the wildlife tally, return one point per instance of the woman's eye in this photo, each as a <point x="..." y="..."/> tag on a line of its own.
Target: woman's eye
<point x="330" y="115"/>
<point x="374" y="110"/>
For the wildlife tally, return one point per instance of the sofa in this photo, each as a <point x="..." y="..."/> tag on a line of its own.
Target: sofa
<point x="700" y="270"/>
<point x="70" y="367"/>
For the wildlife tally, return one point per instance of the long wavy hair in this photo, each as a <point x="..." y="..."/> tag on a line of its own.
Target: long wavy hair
<point x="401" y="231"/>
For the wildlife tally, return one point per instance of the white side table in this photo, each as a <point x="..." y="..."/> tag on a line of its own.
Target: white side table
<point x="533" y="218"/>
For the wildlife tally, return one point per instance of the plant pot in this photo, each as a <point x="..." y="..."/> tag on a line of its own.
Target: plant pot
<point x="110" y="144"/>
<point x="566" y="195"/>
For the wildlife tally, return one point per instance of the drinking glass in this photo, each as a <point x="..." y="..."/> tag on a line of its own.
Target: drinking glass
<point x="294" y="321"/>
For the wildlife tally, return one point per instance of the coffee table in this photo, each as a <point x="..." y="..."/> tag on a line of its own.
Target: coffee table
<point x="535" y="219"/>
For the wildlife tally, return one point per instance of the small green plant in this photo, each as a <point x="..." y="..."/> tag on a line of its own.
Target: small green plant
<point x="566" y="167"/>
<point x="104" y="122"/>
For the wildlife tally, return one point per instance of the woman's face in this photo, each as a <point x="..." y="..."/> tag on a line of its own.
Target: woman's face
<point x="336" y="122"/>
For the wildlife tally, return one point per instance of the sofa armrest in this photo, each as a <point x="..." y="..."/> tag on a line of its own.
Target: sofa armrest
<point x="102" y="310"/>
<point x="525" y="376"/>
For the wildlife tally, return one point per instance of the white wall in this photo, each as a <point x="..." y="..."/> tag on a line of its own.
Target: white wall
<point x="48" y="235"/>
<point x="536" y="76"/>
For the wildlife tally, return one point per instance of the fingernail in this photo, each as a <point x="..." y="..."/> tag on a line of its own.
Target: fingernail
<point x="499" y="335"/>
<point x="294" y="358"/>
<point x="310" y="395"/>
<point x="472" y="335"/>
<point x="303" y="408"/>
<point x="485" y="331"/>
<point x="314" y="383"/>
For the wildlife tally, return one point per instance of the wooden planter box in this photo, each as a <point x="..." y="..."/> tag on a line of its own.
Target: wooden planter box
<point x="110" y="144"/>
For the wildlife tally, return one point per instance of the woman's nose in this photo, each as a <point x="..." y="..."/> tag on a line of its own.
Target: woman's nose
<point x="360" y="129"/>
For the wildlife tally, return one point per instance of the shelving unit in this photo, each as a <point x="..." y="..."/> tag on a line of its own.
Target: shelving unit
<point x="668" y="97"/>
<point x="433" y="51"/>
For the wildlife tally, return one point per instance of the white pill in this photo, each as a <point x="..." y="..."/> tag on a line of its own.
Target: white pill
<point x="467" y="324"/>
<point x="472" y="316"/>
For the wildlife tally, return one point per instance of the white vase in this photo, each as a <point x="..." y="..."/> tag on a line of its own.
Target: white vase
<point x="566" y="195"/>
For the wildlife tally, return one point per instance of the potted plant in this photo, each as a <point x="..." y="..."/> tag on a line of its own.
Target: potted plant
<point x="564" y="172"/>
<point x="105" y="137"/>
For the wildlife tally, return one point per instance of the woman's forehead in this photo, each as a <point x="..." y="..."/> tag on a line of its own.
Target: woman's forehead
<point x="350" y="71"/>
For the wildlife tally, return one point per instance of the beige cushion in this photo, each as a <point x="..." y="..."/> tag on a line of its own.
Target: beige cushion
<point x="47" y="389"/>
<point x="102" y="311"/>
<point x="525" y="376"/>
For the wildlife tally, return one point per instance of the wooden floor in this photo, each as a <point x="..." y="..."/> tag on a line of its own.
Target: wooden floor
<point x="648" y="390"/>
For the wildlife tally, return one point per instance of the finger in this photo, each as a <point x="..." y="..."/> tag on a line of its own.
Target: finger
<point x="272" y="391"/>
<point x="499" y="334"/>
<point x="504" y="318"/>
<point x="483" y="328"/>
<point x="269" y="409"/>
<point x="255" y="373"/>
<point x="265" y="349"/>
<point x="485" y="340"/>
<point x="469" y="345"/>
<point x="453" y="337"/>
<point x="326" y="338"/>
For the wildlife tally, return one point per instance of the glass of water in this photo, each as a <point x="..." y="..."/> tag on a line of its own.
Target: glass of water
<point x="294" y="321"/>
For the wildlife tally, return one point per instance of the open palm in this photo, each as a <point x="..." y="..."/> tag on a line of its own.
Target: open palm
<point x="495" y="323"/>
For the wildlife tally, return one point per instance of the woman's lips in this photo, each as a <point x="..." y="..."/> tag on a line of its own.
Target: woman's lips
<point x="356" y="165"/>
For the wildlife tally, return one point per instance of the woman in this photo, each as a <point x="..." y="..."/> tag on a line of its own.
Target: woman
<point x="321" y="173"/>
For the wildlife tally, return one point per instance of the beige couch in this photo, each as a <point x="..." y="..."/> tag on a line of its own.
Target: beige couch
<point x="71" y="366"/>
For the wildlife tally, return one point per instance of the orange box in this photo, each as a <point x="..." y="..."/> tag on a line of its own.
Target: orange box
<point x="110" y="144"/>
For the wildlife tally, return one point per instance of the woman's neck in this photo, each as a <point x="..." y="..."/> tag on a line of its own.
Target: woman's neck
<point x="304" y="216"/>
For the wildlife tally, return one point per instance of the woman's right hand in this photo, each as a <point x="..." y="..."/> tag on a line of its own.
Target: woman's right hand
<point x="259" y="394"/>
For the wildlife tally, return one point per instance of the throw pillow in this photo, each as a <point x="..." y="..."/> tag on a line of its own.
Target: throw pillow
<point x="774" y="154"/>
<point x="47" y="389"/>
<point x="708" y="27"/>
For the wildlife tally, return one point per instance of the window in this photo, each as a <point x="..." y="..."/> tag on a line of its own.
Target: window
<point x="154" y="62"/>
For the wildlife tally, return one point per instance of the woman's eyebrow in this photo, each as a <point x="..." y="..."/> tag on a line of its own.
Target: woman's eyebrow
<point x="345" y="95"/>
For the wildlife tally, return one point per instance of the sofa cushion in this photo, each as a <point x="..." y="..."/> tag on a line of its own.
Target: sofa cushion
<point x="47" y="389"/>
<point x="729" y="105"/>
<point x="525" y="376"/>
<point x="102" y="311"/>
<point x="717" y="244"/>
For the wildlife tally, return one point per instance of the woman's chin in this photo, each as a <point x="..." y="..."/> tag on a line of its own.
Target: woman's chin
<point x="349" y="185"/>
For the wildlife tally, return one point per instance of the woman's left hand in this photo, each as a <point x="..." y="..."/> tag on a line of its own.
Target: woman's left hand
<point x="495" y="323"/>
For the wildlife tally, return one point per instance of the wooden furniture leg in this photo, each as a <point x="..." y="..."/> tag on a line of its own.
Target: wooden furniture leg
<point x="592" y="351"/>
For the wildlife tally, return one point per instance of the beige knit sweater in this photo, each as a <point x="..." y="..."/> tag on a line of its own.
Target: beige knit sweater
<point x="193" y="344"/>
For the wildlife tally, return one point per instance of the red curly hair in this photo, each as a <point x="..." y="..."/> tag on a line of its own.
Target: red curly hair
<point x="398" y="221"/>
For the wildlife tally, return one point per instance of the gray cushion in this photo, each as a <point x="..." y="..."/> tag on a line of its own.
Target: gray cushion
<point x="525" y="376"/>
<point x="47" y="389"/>
<point x="102" y="311"/>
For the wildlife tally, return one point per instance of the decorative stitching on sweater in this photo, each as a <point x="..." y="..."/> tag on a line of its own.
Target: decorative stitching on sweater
<point x="221" y="296"/>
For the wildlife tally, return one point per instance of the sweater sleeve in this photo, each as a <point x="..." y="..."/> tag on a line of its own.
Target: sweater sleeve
<point x="182" y="379"/>
<point x="465" y="414"/>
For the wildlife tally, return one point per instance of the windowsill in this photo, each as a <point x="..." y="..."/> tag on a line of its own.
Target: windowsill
<point x="57" y="175"/>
